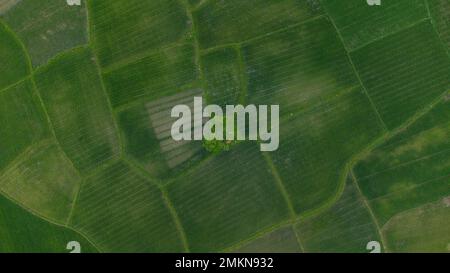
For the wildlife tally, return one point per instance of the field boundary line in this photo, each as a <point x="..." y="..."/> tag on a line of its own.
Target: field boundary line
<point x="409" y="210"/>
<point x="7" y="88"/>
<point x="258" y="234"/>
<point x="418" y="22"/>
<point x="348" y="167"/>
<point x="429" y="181"/>
<point x="196" y="44"/>
<point x="136" y="57"/>
<point x="30" y="149"/>
<point x="243" y="77"/>
<point x="369" y="208"/>
<point x="356" y="73"/>
<point x="433" y="24"/>
<point x="74" y="202"/>
<point x="38" y="94"/>
<point x="175" y="218"/>
<point x="52" y="128"/>
<point x="110" y="108"/>
<point x="299" y="240"/>
<point x="326" y="204"/>
<point x="173" y="213"/>
<point x="44" y="218"/>
<point x="407" y="163"/>
<point x="280" y="30"/>
<point x="199" y="5"/>
<point x="50" y="124"/>
<point x="95" y="60"/>
<point x="280" y="184"/>
<point x="101" y="167"/>
<point x="148" y="98"/>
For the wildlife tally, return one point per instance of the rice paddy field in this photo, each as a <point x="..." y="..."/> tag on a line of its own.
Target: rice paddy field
<point x="86" y="152"/>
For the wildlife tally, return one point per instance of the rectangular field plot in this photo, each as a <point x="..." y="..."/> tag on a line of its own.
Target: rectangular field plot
<point x="411" y="169"/>
<point x="48" y="27"/>
<point x="361" y="24"/>
<point x="345" y="227"/>
<point x="404" y="72"/>
<point x="282" y="240"/>
<point x="123" y="212"/>
<point x="423" y="229"/>
<point x="122" y="29"/>
<point x="14" y="64"/>
<point x="227" y="199"/>
<point x="43" y="181"/>
<point x="22" y="121"/>
<point x="440" y="12"/>
<point x="316" y="145"/>
<point x="223" y="75"/>
<point x="78" y="108"/>
<point x="222" y="22"/>
<point x="152" y="77"/>
<point x="146" y="131"/>
<point x="298" y="67"/>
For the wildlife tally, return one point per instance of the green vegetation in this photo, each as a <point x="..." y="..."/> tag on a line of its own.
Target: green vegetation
<point x="217" y="146"/>
<point x="146" y="135"/>
<point x="21" y="231"/>
<point x="424" y="229"/>
<point x="346" y="227"/>
<point x="410" y="169"/>
<point x="308" y="151"/>
<point x="282" y="240"/>
<point x="85" y="121"/>
<point x="223" y="76"/>
<point x="360" y="24"/>
<point x="43" y="180"/>
<point x="22" y="121"/>
<point x="78" y="109"/>
<point x="440" y="12"/>
<point x="14" y="65"/>
<point x="123" y="212"/>
<point x="152" y="77"/>
<point x="223" y="22"/>
<point x="227" y="199"/>
<point x="407" y="82"/>
<point x="122" y="29"/>
<point x="275" y="67"/>
<point x="47" y="27"/>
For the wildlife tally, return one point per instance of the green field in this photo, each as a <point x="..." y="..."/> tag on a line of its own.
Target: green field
<point x="87" y="155"/>
<point x="421" y="229"/>
<point x="282" y="240"/>
<point x="47" y="27"/>
<point x="123" y="211"/>
<point x="408" y="83"/>
<point x="43" y="180"/>
<point x="122" y="29"/>
<point x="346" y="227"/>
<point x="23" y="121"/>
<point x="236" y="197"/>
<point x="22" y="231"/>
<point x="411" y="168"/>
<point x="360" y="26"/>
<point x="78" y="109"/>
<point x="157" y="75"/>
<point x="14" y="61"/>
